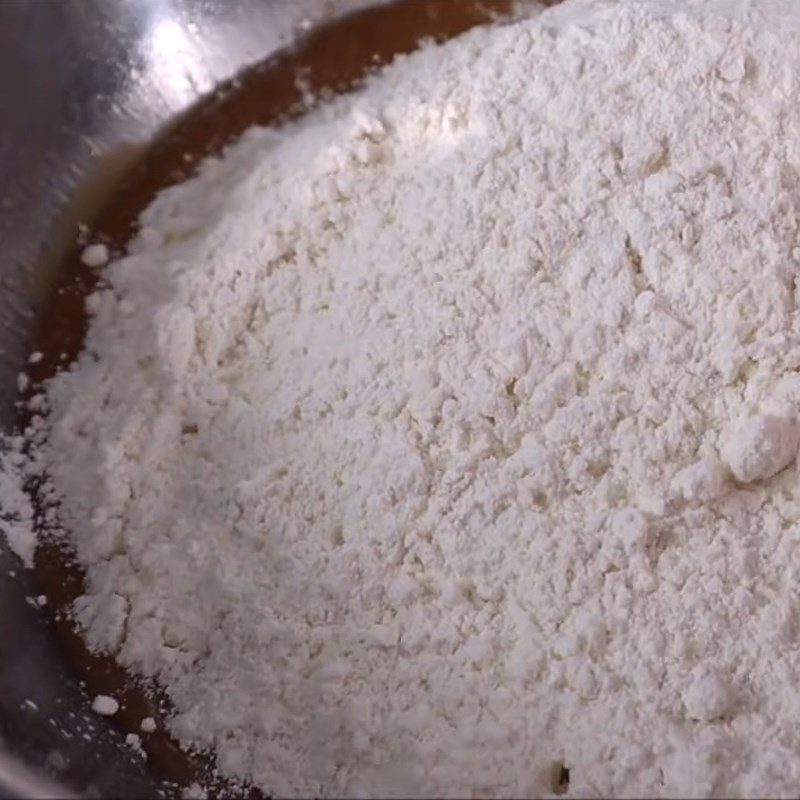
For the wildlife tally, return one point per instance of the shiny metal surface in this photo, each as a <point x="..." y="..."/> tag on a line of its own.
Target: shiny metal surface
<point x="83" y="85"/>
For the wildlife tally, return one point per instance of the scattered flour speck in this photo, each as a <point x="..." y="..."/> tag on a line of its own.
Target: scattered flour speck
<point x="104" y="705"/>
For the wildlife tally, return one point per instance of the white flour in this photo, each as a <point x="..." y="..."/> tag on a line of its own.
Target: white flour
<point x="440" y="439"/>
<point x="16" y="510"/>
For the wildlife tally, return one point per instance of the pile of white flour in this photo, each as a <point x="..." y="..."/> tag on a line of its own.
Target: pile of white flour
<point x="447" y="436"/>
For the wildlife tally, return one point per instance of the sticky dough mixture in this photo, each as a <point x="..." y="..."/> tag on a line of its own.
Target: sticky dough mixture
<point x="443" y="442"/>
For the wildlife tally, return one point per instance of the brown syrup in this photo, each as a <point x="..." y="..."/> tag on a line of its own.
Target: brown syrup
<point x="333" y="57"/>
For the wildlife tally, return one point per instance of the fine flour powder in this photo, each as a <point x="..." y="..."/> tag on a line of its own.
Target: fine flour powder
<point x="446" y="437"/>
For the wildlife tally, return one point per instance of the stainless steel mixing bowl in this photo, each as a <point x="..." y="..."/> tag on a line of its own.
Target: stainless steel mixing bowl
<point x="83" y="84"/>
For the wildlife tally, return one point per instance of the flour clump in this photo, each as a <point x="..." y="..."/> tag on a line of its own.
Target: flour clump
<point x="442" y="442"/>
<point x="761" y="445"/>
